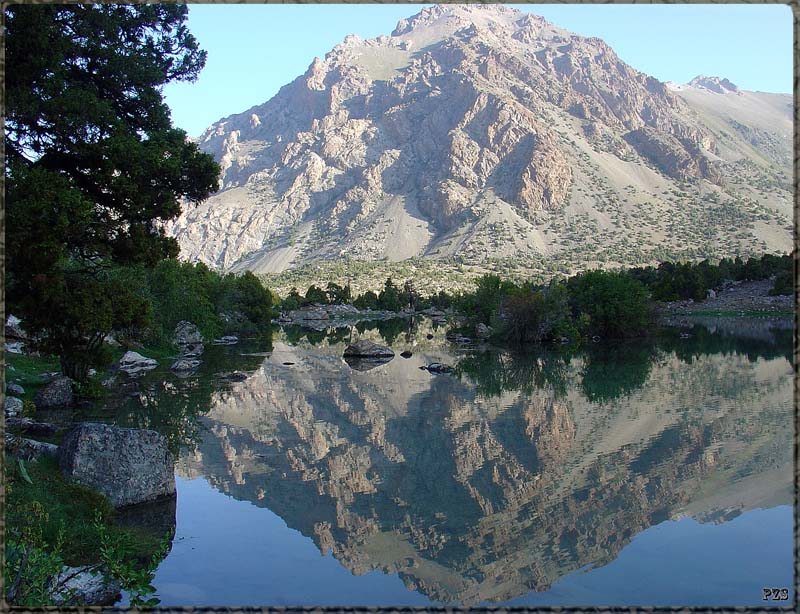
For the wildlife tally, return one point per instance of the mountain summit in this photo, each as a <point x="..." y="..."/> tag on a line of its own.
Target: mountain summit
<point x="484" y="134"/>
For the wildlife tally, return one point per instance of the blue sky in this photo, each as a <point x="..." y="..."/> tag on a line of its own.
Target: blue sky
<point x="253" y="50"/>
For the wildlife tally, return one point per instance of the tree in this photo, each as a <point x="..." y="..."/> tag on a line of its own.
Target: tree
<point x="93" y="164"/>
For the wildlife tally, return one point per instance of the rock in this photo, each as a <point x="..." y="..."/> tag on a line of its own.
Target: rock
<point x="482" y="331"/>
<point x="189" y="339"/>
<point x="30" y="427"/>
<point x="134" y="364"/>
<point x="185" y="365"/>
<point x="126" y="465"/>
<point x="711" y="294"/>
<point x="79" y="586"/>
<point x="309" y="314"/>
<point x="12" y="406"/>
<point x="367" y="349"/>
<point x="14" y="389"/>
<point x="438" y="367"/>
<point x="13" y="329"/>
<point x="227" y="340"/>
<point x="15" y="347"/>
<point x="57" y="393"/>
<point x="406" y="354"/>
<point x="28" y="449"/>
<point x="110" y="340"/>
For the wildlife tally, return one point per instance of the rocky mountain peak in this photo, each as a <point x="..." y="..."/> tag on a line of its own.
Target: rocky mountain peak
<point x="717" y="85"/>
<point x="471" y="132"/>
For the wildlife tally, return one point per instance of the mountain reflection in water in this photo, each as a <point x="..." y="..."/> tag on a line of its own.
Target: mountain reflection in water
<point x="514" y="471"/>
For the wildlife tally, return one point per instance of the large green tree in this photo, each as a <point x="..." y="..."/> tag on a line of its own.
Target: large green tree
<point x="93" y="164"/>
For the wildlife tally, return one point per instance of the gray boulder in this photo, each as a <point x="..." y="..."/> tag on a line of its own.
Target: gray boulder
<point x="14" y="389"/>
<point x="128" y="466"/>
<point x="367" y="349"/>
<point x="189" y="339"/>
<point x="79" y="586"/>
<point x="12" y="406"/>
<point x="134" y="364"/>
<point x="57" y="393"/>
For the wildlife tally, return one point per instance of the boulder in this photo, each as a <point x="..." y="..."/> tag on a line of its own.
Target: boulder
<point x="13" y="330"/>
<point x="30" y="427"/>
<point x="79" y="586"/>
<point x="12" y="406"/>
<point x="134" y="364"/>
<point x="28" y="449"/>
<point x="185" y="365"/>
<point x="57" y="393"/>
<point x="15" y="347"/>
<point x="189" y="339"/>
<point x="711" y="294"/>
<point x="482" y="331"/>
<point x="14" y="389"/>
<point x="128" y="466"/>
<point x="367" y="349"/>
<point x="438" y="367"/>
<point x="233" y="376"/>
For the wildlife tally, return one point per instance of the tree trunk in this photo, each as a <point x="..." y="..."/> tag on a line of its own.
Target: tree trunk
<point x="74" y="368"/>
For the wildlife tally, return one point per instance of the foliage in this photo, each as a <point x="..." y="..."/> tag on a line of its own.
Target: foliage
<point x="217" y="304"/>
<point x="49" y="524"/>
<point x="616" y="305"/>
<point x="117" y="556"/>
<point x="92" y="164"/>
<point x="784" y="284"/>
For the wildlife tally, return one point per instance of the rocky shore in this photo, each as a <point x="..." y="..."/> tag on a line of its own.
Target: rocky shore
<point x="734" y="298"/>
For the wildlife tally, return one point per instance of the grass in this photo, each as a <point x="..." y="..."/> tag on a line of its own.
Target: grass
<point x="66" y="504"/>
<point x="26" y="371"/>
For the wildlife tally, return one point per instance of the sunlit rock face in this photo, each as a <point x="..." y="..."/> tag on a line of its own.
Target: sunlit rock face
<point x="486" y="486"/>
<point x="473" y="122"/>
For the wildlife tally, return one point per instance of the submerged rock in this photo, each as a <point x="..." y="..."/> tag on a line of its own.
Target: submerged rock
<point x="57" y="393"/>
<point x="126" y="465"/>
<point x="367" y="349"/>
<point x="135" y="364"/>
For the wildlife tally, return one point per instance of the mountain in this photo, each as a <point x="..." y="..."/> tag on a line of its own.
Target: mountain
<point x="482" y="135"/>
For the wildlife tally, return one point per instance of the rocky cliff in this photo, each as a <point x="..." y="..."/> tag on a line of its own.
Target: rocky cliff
<point x="480" y="132"/>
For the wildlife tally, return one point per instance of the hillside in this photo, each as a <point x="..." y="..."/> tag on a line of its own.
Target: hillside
<point x="487" y="137"/>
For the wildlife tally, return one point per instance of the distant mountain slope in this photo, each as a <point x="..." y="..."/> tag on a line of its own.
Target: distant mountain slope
<point x="480" y="133"/>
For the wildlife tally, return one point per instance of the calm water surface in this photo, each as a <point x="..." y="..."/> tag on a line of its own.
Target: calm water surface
<point x="650" y="473"/>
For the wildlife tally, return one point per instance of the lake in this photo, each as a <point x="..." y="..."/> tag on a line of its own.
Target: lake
<point x="652" y="472"/>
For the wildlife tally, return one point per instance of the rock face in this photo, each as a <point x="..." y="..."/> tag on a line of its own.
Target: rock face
<point x="128" y="466"/>
<point x="134" y="364"/>
<point x="480" y="132"/>
<point x="57" y="393"/>
<point x="367" y="349"/>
